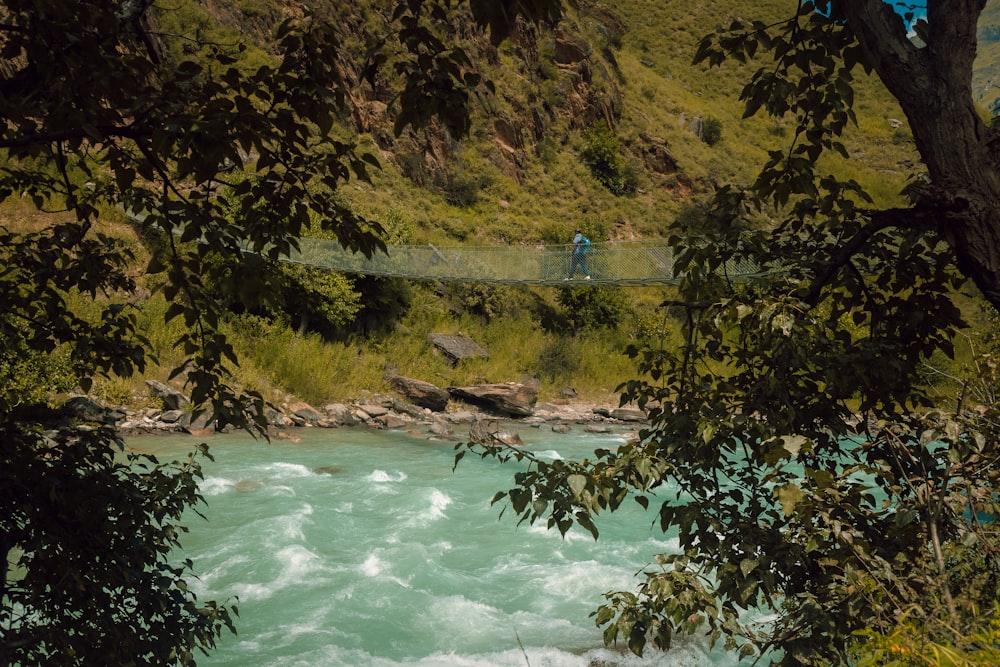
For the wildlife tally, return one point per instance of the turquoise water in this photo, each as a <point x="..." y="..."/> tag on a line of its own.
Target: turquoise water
<point x="362" y="548"/>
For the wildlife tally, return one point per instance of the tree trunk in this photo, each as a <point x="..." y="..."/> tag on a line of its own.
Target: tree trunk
<point x="933" y="85"/>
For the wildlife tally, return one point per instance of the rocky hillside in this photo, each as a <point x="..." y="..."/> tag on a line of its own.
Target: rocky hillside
<point x="520" y="173"/>
<point x="599" y="123"/>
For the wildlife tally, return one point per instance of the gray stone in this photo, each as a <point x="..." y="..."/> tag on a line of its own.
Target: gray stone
<point x="441" y="427"/>
<point x="305" y="411"/>
<point x="85" y="409"/>
<point x="456" y="348"/>
<point x="510" y="398"/>
<point x="406" y="408"/>
<point x="490" y="432"/>
<point x="341" y="413"/>
<point x="172" y="416"/>
<point x="421" y="393"/>
<point x="200" y="421"/>
<point x="628" y="415"/>
<point x="393" y="422"/>
<point x="373" y="410"/>
<point x="560" y="428"/>
<point x="172" y="399"/>
<point x="276" y="417"/>
<point x="461" y="417"/>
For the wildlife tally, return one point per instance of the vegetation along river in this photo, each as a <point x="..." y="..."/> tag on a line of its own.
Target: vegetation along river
<point x="362" y="548"/>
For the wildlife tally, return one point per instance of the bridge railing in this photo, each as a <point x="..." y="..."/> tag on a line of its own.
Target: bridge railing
<point x="639" y="262"/>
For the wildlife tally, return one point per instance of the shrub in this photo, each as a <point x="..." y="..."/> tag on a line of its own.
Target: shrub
<point x="593" y="307"/>
<point x="711" y="130"/>
<point x="601" y="155"/>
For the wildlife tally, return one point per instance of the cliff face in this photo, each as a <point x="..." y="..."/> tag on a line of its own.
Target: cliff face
<point x="629" y="67"/>
<point x="549" y="82"/>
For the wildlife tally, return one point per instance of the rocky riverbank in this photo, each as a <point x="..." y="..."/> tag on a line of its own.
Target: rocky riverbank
<point x="485" y="413"/>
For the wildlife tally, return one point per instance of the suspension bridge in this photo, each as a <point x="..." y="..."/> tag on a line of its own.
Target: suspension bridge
<point x="647" y="262"/>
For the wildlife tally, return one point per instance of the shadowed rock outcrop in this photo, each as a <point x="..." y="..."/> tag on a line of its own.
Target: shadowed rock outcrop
<point x="456" y="348"/>
<point x="421" y="393"/>
<point x="491" y="432"/>
<point x="510" y="398"/>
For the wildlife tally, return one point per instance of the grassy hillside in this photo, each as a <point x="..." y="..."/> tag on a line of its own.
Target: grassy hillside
<point x="519" y="177"/>
<point x="986" y="78"/>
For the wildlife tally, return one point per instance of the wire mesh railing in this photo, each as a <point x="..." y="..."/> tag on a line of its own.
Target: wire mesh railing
<point x="640" y="262"/>
<point x="646" y="262"/>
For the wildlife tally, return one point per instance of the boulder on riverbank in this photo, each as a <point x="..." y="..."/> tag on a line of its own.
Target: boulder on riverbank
<point x="491" y="432"/>
<point x="172" y="399"/>
<point x="508" y="399"/>
<point x="421" y="393"/>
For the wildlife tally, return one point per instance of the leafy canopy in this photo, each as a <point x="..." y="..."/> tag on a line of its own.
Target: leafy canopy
<point x="793" y="450"/>
<point x="104" y="111"/>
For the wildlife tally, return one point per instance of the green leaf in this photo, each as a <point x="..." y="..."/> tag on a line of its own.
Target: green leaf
<point x="748" y="565"/>
<point x="789" y="495"/>
<point x="577" y="484"/>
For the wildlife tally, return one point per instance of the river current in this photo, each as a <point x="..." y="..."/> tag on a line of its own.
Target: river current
<point x="361" y="548"/>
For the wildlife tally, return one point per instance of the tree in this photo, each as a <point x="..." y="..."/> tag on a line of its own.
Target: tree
<point x="793" y="448"/>
<point x="102" y="112"/>
<point x="96" y="118"/>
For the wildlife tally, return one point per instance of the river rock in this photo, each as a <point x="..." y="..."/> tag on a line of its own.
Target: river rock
<point x="341" y="413"/>
<point x="628" y="415"/>
<point x="199" y="422"/>
<point x="306" y="412"/>
<point x="510" y="398"/>
<point x="172" y="399"/>
<point x="276" y="417"/>
<point x="407" y="408"/>
<point x="171" y="416"/>
<point x="490" y="432"/>
<point x="456" y="348"/>
<point x="86" y="409"/>
<point x="441" y="427"/>
<point x="249" y="485"/>
<point x="421" y="393"/>
<point x="393" y="421"/>
<point x="461" y="417"/>
<point x="373" y="410"/>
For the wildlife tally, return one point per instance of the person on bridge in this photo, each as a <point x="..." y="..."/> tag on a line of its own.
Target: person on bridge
<point x="581" y="244"/>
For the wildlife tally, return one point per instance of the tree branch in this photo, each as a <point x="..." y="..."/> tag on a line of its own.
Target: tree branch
<point x="917" y="218"/>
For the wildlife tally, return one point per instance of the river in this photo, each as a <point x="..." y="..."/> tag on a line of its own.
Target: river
<point x="361" y="548"/>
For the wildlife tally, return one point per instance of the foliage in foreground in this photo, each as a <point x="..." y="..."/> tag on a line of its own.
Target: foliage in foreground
<point x="87" y="533"/>
<point x="792" y="452"/>
<point x="104" y="111"/>
<point x="94" y="118"/>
